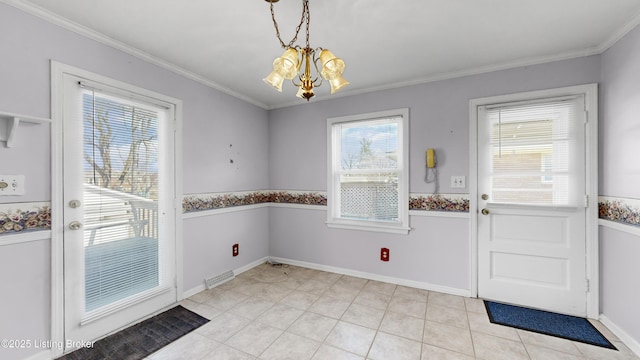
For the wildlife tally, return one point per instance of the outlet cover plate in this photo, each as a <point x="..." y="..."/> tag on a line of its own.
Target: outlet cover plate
<point x="458" y="182"/>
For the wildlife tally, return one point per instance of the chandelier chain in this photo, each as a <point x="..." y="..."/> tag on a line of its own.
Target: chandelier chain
<point x="305" y="10"/>
<point x="305" y="15"/>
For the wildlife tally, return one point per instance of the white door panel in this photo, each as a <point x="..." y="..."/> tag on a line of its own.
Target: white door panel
<point x="515" y="268"/>
<point x="531" y="226"/>
<point x="542" y="229"/>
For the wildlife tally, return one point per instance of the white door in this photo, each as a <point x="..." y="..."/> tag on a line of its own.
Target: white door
<point x="531" y="204"/>
<point x="119" y="240"/>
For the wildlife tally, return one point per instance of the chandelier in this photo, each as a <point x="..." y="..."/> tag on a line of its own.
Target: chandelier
<point x="295" y="57"/>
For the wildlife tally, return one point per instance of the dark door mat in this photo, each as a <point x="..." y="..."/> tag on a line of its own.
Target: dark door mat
<point x="140" y="340"/>
<point x="547" y="323"/>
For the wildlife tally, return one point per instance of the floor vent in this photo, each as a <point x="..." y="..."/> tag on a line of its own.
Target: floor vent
<point x="219" y="279"/>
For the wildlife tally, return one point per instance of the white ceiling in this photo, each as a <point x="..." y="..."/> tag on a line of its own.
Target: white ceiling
<point x="230" y="45"/>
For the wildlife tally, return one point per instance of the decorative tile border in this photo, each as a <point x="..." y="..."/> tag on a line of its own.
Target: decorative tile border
<point x="17" y="217"/>
<point x="200" y="202"/>
<point x="621" y="210"/>
<point x="439" y="202"/>
<point x="211" y="201"/>
<point x="299" y="197"/>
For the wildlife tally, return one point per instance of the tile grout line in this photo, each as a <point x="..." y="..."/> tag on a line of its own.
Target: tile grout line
<point x="386" y="310"/>
<point x="473" y="346"/>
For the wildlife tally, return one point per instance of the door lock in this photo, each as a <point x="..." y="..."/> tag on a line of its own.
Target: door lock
<point x="74" y="204"/>
<point x="485" y="211"/>
<point x="485" y="197"/>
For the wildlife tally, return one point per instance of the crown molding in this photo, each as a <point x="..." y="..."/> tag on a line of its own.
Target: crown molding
<point x="458" y="74"/>
<point x="106" y="40"/>
<point x="622" y="31"/>
<point x="99" y="37"/>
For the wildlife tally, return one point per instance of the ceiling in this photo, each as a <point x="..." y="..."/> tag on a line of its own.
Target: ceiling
<point x="230" y="45"/>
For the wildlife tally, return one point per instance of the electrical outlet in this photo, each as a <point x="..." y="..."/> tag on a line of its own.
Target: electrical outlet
<point x="235" y="250"/>
<point x="384" y="254"/>
<point x="11" y="184"/>
<point x="458" y="182"/>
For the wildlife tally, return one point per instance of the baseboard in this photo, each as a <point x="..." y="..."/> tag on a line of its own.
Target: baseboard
<point x="631" y="343"/>
<point x="250" y="265"/>
<point x="376" y="277"/>
<point x="188" y="293"/>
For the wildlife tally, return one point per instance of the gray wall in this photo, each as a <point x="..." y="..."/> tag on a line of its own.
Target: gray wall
<point x="212" y="121"/>
<point x="436" y="252"/>
<point x="619" y="177"/>
<point x="212" y="237"/>
<point x="439" y="118"/>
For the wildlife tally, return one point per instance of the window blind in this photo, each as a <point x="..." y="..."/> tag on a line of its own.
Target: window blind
<point x="120" y="155"/>
<point x="531" y="152"/>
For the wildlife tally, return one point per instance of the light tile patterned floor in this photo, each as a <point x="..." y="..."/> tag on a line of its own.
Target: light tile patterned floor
<point x="289" y="312"/>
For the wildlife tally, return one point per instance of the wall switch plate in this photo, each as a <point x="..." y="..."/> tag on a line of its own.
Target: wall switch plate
<point x="458" y="182"/>
<point x="11" y="184"/>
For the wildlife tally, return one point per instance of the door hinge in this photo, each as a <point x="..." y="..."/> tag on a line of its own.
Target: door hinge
<point x="588" y="285"/>
<point x="586" y="117"/>
<point x="586" y="201"/>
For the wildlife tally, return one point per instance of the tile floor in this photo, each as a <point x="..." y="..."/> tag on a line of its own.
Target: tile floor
<point x="296" y="313"/>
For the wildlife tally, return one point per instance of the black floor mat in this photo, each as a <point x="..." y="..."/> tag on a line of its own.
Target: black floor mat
<point x="139" y="341"/>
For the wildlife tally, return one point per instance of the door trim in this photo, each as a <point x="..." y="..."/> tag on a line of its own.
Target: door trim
<point x="590" y="91"/>
<point x="57" y="206"/>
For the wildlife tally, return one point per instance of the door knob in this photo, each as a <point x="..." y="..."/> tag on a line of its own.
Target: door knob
<point x="485" y="211"/>
<point x="75" y="225"/>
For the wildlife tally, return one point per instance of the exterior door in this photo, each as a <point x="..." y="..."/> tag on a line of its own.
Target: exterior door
<point x="532" y="204"/>
<point x="119" y="237"/>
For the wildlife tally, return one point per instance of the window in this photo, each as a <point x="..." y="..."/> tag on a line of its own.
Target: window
<point x="120" y="177"/>
<point x="368" y="175"/>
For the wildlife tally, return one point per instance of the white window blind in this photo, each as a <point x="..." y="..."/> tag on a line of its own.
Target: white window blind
<point x="368" y="180"/>
<point x="531" y="160"/>
<point x="120" y="198"/>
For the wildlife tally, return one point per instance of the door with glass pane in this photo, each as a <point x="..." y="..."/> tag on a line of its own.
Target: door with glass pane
<point x="119" y="242"/>
<point x="531" y="202"/>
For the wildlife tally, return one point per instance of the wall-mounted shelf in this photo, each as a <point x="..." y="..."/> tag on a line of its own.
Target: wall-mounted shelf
<point x="9" y="125"/>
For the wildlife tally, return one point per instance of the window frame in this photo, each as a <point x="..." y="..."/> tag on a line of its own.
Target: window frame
<point x="333" y="163"/>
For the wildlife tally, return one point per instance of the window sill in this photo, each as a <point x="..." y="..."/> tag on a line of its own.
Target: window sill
<point x="375" y="227"/>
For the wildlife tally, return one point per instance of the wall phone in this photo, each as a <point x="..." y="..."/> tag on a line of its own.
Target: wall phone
<point x="432" y="172"/>
<point x="431" y="158"/>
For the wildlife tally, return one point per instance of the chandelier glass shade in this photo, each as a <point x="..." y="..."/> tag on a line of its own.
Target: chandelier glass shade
<point x="301" y="64"/>
<point x="284" y="67"/>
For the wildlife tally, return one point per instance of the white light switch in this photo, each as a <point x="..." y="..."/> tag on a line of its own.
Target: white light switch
<point x="458" y="182"/>
<point x="11" y="184"/>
